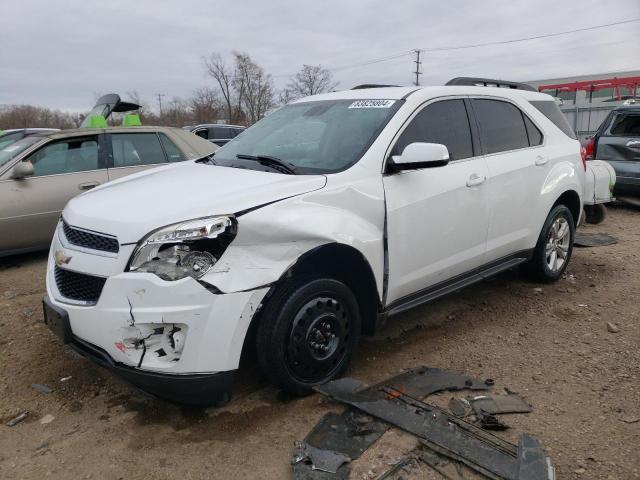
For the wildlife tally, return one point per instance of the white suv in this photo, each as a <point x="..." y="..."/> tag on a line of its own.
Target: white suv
<point x="310" y="229"/>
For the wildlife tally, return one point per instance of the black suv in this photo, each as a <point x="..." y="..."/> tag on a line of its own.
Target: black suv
<point x="216" y="133"/>
<point x="617" y="141"/>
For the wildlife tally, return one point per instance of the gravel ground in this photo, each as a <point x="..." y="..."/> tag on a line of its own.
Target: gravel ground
<point x="550" y="343"/>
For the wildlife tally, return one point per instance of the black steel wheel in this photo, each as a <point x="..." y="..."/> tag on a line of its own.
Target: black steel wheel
<point x="307" y="333"/>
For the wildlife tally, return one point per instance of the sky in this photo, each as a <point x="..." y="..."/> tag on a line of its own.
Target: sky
<point x="62" y="54"/>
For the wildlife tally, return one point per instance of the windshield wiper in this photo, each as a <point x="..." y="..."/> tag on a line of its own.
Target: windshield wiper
<point x="272" y="162"/>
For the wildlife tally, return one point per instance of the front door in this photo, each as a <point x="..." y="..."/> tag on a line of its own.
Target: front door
<point x="437" y="218"/>
<point x="31" y="206"/>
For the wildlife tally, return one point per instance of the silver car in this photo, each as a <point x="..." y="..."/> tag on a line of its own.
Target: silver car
<point x="40" y="173"/>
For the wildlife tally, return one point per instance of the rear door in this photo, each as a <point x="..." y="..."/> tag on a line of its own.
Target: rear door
<point x="619" y="144"/>
<point x="512" y="145"/>
<point x="131" y="152"/>
<point x="31" y="206"/>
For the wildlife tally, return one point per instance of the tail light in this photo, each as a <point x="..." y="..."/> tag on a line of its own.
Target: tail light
<point x="583" y="154"/>
<point x="590" y="148"/>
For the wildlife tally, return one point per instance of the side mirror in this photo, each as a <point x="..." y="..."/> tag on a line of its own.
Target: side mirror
<point x="22" y="170"/>
<point x="420" y="155"/>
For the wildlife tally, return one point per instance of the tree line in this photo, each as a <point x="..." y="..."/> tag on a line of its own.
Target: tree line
<point x="241" y="92"/>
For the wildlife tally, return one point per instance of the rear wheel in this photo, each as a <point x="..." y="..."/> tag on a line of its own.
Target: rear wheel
<point x="555" y="245"/>
<point x="307" y="333"/>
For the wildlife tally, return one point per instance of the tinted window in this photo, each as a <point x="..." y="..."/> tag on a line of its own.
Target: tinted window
<point x="173" y="152"/>
<point x="444" y="122"/>
<point x="624" y="125"/>
<point x="220" y="132"/>
<point x="66" y="156"/>
<point x="132" y="149"/>
<point x="535" y="136"/>
<point x="501" y="126"/>
<point x="551" y="110"/>
<point x="204" y="133"/>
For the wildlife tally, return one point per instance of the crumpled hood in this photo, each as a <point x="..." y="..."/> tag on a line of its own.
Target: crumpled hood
<point x="131" y="207"/>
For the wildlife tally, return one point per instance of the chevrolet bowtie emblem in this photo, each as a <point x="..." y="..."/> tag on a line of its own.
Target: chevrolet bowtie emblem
<point x="61" y="258"/>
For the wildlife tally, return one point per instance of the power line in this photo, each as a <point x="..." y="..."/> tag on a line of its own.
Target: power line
<point x="486" y="44"/>
<point x="535" y="37"/>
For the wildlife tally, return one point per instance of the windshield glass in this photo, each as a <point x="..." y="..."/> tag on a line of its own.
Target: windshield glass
<point x="14" y="149"/>
<point x="312" y="137"/>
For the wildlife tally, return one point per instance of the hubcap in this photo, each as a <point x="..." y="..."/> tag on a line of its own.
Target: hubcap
<point x="318" y="339"/>
<point x="558" y="243"/>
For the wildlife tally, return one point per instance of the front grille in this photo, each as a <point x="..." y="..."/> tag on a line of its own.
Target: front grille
<point x="79" y="286"/>
<point x="94" y="241"/>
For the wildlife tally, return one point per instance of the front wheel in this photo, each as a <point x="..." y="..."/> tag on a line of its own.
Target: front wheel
<point x="555" y="245"/>
<point x="307" y="333"/>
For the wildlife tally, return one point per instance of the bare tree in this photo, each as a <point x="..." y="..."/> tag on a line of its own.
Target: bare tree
<point x="256" y="87"/>
<point x="310" y="80"/>
<point x="25" y="116"/>
<point x="205" y="105"/>
<point x="218" y="69"/>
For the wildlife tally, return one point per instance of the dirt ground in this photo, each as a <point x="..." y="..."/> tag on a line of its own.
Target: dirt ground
<point x="550" y="343"/>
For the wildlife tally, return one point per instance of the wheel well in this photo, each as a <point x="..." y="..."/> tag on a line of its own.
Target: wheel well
<point x="571" y="200"/>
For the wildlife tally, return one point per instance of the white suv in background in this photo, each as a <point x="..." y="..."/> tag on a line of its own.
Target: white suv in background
<point x="313" y="227"/>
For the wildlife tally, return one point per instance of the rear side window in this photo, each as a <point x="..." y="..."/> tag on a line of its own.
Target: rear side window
<point x="173" y="152"/>
<point x="625" y="125"/>
<point x="551" y="110"/>
<point x="444" y="122"/>
<point x="501" y="126"/>
<point x="535" y="136"/>
<point x="134" y="149"/>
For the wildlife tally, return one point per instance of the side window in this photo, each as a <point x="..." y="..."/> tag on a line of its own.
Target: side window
<point x="133" y="149"/>
<point x="77" y="154"/>
<point x="444" y="122"/>
<point x="220" y="132"/>
<point x="535" y="136"/>
<point x="172" y="151"/>
<point x="501" y="125"/>
<point x="204" y="133"/>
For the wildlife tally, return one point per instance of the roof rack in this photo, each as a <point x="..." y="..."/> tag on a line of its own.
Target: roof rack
<point x="489" y="82"/>
<point x="372" y="85"/>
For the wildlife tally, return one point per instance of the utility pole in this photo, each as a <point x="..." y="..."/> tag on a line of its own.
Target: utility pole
<point x="418" y="63"/>
<point x="160" y="95"/>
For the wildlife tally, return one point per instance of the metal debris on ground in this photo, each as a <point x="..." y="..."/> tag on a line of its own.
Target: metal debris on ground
<point x="41" y="388"/>
<point x="17" y="419"/>
<point x="320" y="459"/>
<point x="593" y="239"/>
<point x="492" y="404"/>
<point x="397" y="402"/>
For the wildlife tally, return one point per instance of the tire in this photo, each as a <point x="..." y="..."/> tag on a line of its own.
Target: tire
<point x="546" y="264"/>
<point x="307" y="333"/>
<point x="595" y="213"/>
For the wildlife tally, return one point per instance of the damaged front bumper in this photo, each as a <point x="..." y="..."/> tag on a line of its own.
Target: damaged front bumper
<point x="176" y="340"/>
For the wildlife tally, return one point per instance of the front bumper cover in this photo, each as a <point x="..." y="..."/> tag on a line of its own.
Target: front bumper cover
<point x="200" y="389"/>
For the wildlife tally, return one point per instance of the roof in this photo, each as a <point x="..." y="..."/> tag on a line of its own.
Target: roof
<point x="76" y="132"/>
<point x="223" y="125"/>
<point x="397" y="93"/>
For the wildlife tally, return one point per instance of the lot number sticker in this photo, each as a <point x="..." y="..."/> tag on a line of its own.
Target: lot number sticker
<point x="372" y="104"/>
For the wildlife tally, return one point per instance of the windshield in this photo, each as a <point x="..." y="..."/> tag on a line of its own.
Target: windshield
<point x="312" y="137"/>
<point x="14" y="149"/>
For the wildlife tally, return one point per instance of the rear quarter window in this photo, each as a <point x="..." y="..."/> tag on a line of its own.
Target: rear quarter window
<point x="625" y="125"/>
<point x="550" y="109"/>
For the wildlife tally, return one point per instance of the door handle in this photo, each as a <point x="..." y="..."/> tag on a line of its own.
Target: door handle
<point x="633" y="144"/>
<point x="88" y="185"/>
<point x="540" y="160"/>
<point x="475" y="180"/>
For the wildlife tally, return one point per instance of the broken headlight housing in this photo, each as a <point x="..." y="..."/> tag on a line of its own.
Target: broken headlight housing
<point x="185" y="249"/>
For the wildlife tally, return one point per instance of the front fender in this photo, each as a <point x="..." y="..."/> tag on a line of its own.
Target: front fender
<point x="271" y="239"/>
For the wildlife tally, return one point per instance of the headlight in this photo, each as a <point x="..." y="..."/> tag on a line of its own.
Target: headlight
<point x="186" y="249"/>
